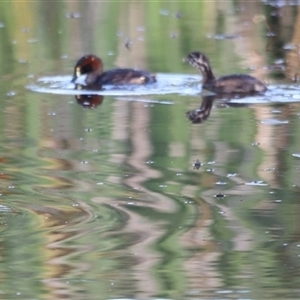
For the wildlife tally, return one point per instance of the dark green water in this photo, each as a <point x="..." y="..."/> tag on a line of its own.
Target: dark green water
<point x="106" y="203"/>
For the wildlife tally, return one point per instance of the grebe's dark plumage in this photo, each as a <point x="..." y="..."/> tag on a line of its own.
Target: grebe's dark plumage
<point x="230" y="84"/>
<point x="92" y="66"/>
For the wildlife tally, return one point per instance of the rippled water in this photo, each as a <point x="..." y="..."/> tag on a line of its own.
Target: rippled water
<point x="166" y="84"/>
<point x="155" y="192"/>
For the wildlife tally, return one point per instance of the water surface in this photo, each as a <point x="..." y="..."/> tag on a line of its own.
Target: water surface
<point x="118" y="194"/>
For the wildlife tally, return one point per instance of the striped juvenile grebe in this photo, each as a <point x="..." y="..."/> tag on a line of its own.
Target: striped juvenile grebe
<point x="96" y="77"/>
<point x="229" y="84"/>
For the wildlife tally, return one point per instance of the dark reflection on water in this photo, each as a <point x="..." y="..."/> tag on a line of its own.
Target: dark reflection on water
<point x="106" y="203"/>
<point x="89" y="101"/>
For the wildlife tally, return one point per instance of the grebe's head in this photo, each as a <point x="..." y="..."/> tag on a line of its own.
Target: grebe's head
<point x="197" y="59"/>
<point x="201" y="62"/>
<point x="86" y="65"/>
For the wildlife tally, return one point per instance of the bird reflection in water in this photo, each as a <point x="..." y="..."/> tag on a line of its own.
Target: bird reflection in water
<point x="88" y="100"/>
<point x="200" y="114"/>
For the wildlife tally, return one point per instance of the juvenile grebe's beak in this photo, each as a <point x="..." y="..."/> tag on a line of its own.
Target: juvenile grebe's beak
<point x="188" y="59"/>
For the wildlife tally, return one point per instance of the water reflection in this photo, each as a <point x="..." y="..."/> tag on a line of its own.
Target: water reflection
<point x="109" y="203"/>
<point x="200" y="114"/>
<point x="89" y="101"/>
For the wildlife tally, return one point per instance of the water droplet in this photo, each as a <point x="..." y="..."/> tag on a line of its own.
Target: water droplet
<point x="164" y="12"/>
<point x="231" y="175"/>
<point x="289" y="47"/>
<point x="73" y="15"/>
<point x="220" y="195"/>
<point x="221" y="183"/>
<point x="270" y="169"/>
<point x="276" y="111"/>
<point x="274" y="122"/>
<point x="11" y="94"/>
<point x="32" y="40"/>
<point x="173" y="35"/>
<point x="256" y="182"/>
<point x="189" y="202"/>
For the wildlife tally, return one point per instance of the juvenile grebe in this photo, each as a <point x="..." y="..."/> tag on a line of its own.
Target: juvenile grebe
<point x="93" y="67"/>
<point x="230" y="84"/>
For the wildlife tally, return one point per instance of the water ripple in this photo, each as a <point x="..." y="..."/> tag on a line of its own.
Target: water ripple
<point x="166" y="84"/>
<point x="181" y="84"/>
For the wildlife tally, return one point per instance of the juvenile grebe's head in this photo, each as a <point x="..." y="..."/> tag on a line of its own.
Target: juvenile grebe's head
<point x="201" y="62"/>
<point x="87" y="64"/>
<point x="196" y="59"/>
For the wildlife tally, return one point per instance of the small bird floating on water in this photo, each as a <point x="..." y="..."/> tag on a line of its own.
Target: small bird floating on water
<point x="92" y="66"/>
<point x="229" y="84"/>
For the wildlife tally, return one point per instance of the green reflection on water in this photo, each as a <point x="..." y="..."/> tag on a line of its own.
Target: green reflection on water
<point x="105" y="203"/>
